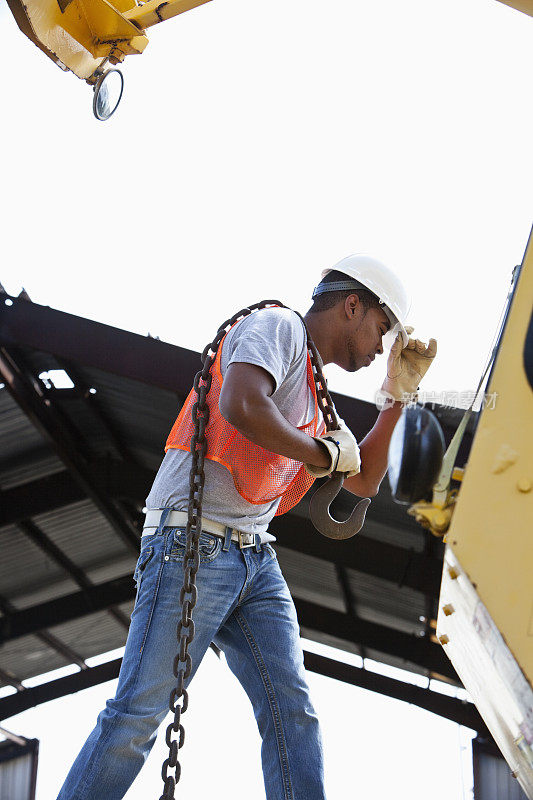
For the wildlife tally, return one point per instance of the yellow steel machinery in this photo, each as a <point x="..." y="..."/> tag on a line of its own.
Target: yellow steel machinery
<point x="84" y="36"/>
<point x="485" y="619"/>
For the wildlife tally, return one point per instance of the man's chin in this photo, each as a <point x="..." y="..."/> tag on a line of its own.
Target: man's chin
<point x="351" y="366"/>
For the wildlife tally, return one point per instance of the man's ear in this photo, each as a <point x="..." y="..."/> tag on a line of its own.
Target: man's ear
<point x="351" y="305"/>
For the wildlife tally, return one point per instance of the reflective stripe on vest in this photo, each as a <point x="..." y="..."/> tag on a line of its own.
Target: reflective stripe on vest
<point x="259" y="475"/>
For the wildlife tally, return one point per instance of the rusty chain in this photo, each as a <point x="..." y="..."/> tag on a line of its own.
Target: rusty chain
<point x="179" y="698"/>
<point x="325" y="403"/>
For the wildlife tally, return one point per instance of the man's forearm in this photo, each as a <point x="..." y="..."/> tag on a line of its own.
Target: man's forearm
<point x="374" y="451"/>
<point x="263" y="424"/>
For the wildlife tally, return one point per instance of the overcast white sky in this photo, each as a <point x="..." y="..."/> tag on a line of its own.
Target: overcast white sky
<point x="256" y="144"/>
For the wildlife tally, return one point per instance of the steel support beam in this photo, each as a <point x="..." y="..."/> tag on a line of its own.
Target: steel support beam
<point x="67" y="608"/>
<point x="117" y="479"/>
<point x="151" y="361"/>
<point x="93" y="344"/>
<point x="41" y="540"/>
<point x="350" y="602"/>
<point x="395" y="564"/>
<point x="54" y="429"/>
<point x="422" y="652"/>
<point x="70" y="656"/>
<point x="10" y="679"/>
<point x="419" y="571"/>
<point x="92" y="402"/>
<point x="455" y="710"/>
<point x="28" y="698"/>
<point x="39" y="497"/>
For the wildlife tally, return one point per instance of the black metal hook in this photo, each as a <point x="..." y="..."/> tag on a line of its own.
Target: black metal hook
<point x="322" y="519"/>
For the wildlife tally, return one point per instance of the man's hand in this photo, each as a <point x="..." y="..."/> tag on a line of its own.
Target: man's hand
<point x="343" y="451"/>
<point x="406" y="367"/>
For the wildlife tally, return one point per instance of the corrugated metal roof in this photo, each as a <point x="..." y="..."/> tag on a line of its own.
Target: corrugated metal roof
<point x="24" y="456"/>
<point x="27" y="574"/>
<point x="309" y="578"/>
<point x="93" y="634"/>
<point x="385" y="603"/>
<point x="84" y="535"/>
<point x="141" y="418"/>
<point x="29" y="656"/>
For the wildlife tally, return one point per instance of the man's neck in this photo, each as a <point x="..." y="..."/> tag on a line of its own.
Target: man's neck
<point x="321" y="331"/>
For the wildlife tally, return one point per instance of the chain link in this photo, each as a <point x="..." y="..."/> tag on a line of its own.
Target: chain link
<point x="325" y="403"/>
<point x="179" y="698"/>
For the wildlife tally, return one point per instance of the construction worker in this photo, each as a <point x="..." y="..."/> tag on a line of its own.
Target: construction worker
<point x="265" y="438"/>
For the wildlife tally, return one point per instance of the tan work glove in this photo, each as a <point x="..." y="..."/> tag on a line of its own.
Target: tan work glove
<point x="343" y="449"/>
<point x="406" y="367"/>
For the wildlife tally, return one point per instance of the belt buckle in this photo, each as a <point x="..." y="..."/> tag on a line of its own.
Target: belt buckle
<point x="242" y="544"/>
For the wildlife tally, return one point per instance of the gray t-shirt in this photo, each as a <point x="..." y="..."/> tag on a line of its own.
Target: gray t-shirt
<point x="275" y="339"/>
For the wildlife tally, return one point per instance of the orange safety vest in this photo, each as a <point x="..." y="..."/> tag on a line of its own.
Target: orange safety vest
<point x="259" y="475"/>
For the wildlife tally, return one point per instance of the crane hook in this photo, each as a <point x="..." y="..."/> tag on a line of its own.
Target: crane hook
<point x="322" y="519"/>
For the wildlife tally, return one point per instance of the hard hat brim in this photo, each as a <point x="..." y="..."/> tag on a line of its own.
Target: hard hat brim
<point x="395" y="329"/>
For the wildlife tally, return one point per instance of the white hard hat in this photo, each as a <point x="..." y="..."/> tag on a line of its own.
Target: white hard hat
<point x="382" y="282"/>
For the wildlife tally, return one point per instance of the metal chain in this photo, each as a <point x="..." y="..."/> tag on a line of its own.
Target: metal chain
<point x="179" y="698"/>
<point x="325" y="403"/>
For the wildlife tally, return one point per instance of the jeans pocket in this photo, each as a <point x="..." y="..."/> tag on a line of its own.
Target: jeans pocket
<point x="142" y="562"/>
<point x="209" y="546"/>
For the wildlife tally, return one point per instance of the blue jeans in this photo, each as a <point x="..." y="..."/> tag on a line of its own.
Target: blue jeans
<point x="245" y="608"/>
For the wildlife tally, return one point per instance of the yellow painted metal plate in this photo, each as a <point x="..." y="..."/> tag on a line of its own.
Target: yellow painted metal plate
<point x="41" y="22"/>
<point x="491" y="531"/>
<point x="78" y="33"/>
<point x="488" y="669"/>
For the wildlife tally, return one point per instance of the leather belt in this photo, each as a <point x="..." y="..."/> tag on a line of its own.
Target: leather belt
<point x="178" y="519"/>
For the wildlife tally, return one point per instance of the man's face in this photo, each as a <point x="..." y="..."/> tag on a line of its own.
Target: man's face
<point x="364" y="337"/>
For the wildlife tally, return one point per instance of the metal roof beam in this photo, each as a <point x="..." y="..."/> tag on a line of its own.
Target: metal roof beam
<point x="93" y="344"/>
<point x="350" y="602"/>
<point x="392" y="563"/>
<point x="419" y="571"/>
<point x="54" y="428"/>
<point x="422" y="652"/>
<point x="150" y="360"/>
<point x="70" y="656"/>
<point x="44" y="692"/>
<point x="459" y="711"/>
<point x="11" y="680"/>
<point x="61" y="489"/>
<point x="449" y="707"/>
<point x="44" y="543"/>
<point x="39" y="538"/>
<point x="38" y="497"/>
<point x="91" y="400"/>
<point x="95" y="598"/>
